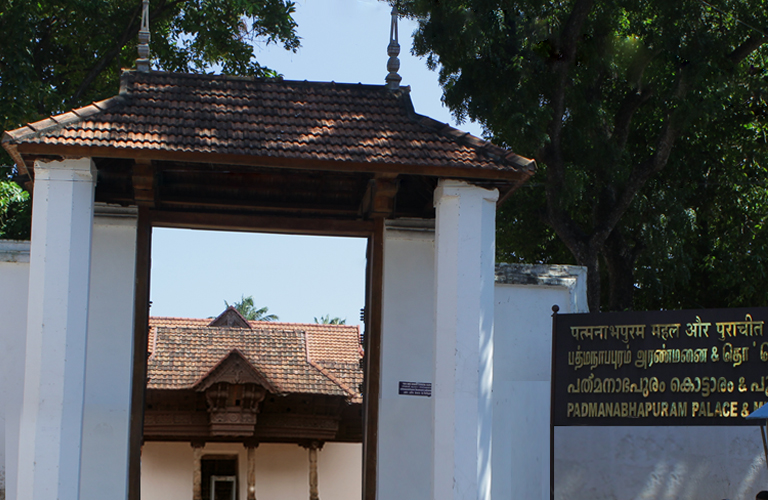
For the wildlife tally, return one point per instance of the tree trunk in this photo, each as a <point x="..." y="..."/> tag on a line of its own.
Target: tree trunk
<point x="620" y="264"/>
<point x="591" y="261"/>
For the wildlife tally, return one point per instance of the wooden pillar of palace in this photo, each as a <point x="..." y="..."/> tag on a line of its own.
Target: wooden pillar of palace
<point x="313" y="447"/>
<point x="251" y="469"/>
<point x="197" y="472"/>
<point x="142" y="180"/>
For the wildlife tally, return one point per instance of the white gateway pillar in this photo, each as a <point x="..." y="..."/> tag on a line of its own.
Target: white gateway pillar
<point x="464" y="311"/>
<point x="57" y="315"/>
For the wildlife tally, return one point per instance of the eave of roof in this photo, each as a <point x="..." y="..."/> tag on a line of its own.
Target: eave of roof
<point x="256" y="122"/>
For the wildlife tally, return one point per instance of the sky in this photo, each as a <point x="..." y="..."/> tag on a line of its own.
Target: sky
<point x="299" y="278"/>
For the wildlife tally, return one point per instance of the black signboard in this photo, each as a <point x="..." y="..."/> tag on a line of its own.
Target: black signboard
<point x="695" y="367"/>
<point x="415" y="389"/>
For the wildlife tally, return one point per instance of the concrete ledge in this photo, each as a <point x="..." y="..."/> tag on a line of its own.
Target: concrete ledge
<point x="572" y="277"/>
<point x="14" y="251"/>
<point x="110" y="210"/>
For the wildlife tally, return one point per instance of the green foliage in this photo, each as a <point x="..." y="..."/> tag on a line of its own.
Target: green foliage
<point x="14" y="211"/>
<point x="250" y="312"/>
<point x="648" y="123"/>
<point x="705" y="231"/>
<point x="58" y="55"/>
<point x="327" y="320"/>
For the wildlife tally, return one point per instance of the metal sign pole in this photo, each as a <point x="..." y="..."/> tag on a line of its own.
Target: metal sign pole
<point x="555" y="309"/>
<point x="765" y="443"/>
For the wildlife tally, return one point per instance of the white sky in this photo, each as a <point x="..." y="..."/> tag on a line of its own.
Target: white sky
<point x="297" y="277"/>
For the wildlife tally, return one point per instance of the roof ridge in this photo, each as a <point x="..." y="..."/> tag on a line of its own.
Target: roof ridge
<point x="251" y="322"/>
<point x="134" y="75"/>
<point x="325" y="371"/>
<point x="332" y="377"/>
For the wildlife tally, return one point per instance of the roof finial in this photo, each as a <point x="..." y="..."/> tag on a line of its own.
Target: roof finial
<point x="393" y="49"/>
<point x="142" y="63"/>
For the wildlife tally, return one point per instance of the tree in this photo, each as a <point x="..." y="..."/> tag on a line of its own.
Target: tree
<point x="327" y="320"/>
<point x="14" y="211"/>
<point x="250" y="312"/>
<point x="58" y="55"/>
<point x="612" y="99"/>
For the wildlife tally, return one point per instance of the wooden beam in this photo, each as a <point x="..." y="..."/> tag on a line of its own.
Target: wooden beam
<point x="372" y="392"/>
<point x="140" y="336"/>
<point x="522" y="169"/>
<point x="235" y="204"/>
<point x="267" y="224"/>
<point x="504" y="195"/>
<point x="144" y="183"/>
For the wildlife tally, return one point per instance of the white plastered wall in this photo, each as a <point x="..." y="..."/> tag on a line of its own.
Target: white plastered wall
<point x="14" y="282"/>
<point x="644" y="463"/>
<point x="109" y="355"/>
<point x="407" y="354"/>
<point x="525" y="295"/>
<point x="282" y="470"/>
<point x="109" y="351"/>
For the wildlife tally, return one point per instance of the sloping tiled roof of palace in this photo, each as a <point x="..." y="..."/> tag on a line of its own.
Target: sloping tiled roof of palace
<point x="293" y="357"/>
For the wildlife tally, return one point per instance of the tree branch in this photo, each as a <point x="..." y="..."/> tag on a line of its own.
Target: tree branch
<point x="611" y="213"/>
<point x="551" y="154"/>
<point x="629" y="105"/>
<point x="750" y="45"/>
<point x="637" y="179"/>
<point x="131" y="31"/>
<point x="664" y="141"/>
<point x="565" y="54"/>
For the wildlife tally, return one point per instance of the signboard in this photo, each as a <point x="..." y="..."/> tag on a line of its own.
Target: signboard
<point x="415" y="389"/>
<point x="695" y="367"/>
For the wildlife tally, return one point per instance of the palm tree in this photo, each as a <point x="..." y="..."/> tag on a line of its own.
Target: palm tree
<point x="327" y="320"/>
<point x="249" y="311"/>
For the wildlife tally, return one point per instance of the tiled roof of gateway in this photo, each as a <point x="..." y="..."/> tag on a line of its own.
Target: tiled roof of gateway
<point x="237" y="117"/>
<point x="293" y="357"/>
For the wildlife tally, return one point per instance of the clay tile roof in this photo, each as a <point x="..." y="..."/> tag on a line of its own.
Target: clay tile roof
<point x="292" y="357"/>
<point x="235" y="118"/>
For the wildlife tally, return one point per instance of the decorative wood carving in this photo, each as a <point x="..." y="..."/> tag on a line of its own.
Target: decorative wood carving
<point x="294" y="418"/>
<point x="233" y="407"/>
<point x="236" y="370"/>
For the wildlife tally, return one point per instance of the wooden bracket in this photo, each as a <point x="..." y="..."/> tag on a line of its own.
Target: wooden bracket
<point x="144" y="184"/>
<point x="379" y="197"/>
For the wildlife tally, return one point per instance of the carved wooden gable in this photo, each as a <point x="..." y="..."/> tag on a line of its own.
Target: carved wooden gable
<point x="234" y="369"/>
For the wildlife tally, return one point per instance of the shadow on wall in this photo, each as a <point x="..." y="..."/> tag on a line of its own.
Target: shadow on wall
<point x="644" y="463"/>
